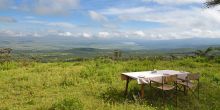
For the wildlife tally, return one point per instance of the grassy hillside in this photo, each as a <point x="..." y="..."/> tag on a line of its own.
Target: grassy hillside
<point x="96" y="84"/>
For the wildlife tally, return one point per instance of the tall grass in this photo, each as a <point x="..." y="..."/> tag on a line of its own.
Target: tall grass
<point x="96" y="84"/>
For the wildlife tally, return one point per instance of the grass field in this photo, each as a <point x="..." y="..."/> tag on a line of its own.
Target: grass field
<point x="96" y="85"/>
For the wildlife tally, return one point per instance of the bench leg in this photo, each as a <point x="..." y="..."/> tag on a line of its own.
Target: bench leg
<point x="126" y="87"/>
<point x="142" y="90"/>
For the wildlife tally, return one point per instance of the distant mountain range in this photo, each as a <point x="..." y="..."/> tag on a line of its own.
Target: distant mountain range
<point x="65" y="43"/>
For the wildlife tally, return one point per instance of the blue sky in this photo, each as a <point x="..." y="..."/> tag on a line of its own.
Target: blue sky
<point x="109" y="19"/>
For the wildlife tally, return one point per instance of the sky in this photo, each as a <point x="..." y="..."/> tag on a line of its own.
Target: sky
<point x="109" y="19"/>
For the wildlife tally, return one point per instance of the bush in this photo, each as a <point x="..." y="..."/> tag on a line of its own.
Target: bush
<point x="217" y="60"/>
<point x="8" y="65"/>
<point x="201" y="59"/>
<point x="68" y="104"/>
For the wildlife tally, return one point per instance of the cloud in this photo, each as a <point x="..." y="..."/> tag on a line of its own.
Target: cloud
<point x="5" y="4"/>
<point x="103" y="34"/>
<point x="139" y="33"/>
<point x="213" y="13"/>
<point x="176" y="23"/>
<point x="86" y="35"/>
<point x="6" y="19"/>
<point x="61" y="24"/>
<point x="54" y="24"/>
<point x="54" y="7"/>
<point x="37" y="21"/>
<point x="10" y="33"/>
<point x="122" y="11"/>
<point x="67" y="34"/>
<point x="156" y="34"/>
<point x="175" y="2"/>
<point x="97" y="16"/>
<point x="42" y="7"/>
<point x="30" y="17"/>
<point x="172" y="22"/>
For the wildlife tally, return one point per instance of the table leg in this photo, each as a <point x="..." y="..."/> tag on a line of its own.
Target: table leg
<point x="126" y="87"/>
<point x="142" y="90"/>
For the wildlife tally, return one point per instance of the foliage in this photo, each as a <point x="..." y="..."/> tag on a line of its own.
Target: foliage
<point x="204" y="53"/>
<point x="211" y="3"/>
<point x="5" y="54"/>
<point x="5" y="50"/>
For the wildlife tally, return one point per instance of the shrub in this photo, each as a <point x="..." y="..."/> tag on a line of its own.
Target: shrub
<point x="201" y="59"/>
<point x="217" y="60"/>
<point x="68" y="104"/>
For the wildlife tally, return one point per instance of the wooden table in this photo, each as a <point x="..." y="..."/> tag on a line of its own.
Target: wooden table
<point x="143" y="77"/>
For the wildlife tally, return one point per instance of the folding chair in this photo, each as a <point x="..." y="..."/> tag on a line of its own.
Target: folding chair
<point x="190" y="82"/>
<point x="166" y="83"/>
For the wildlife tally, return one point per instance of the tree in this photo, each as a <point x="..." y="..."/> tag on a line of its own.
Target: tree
<point x="5" y="50"/>
<point x="204" y="53"/>
<point x="5" y="54"/>
<point x="211" y="3"/>
<point x="117" y="54"/>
